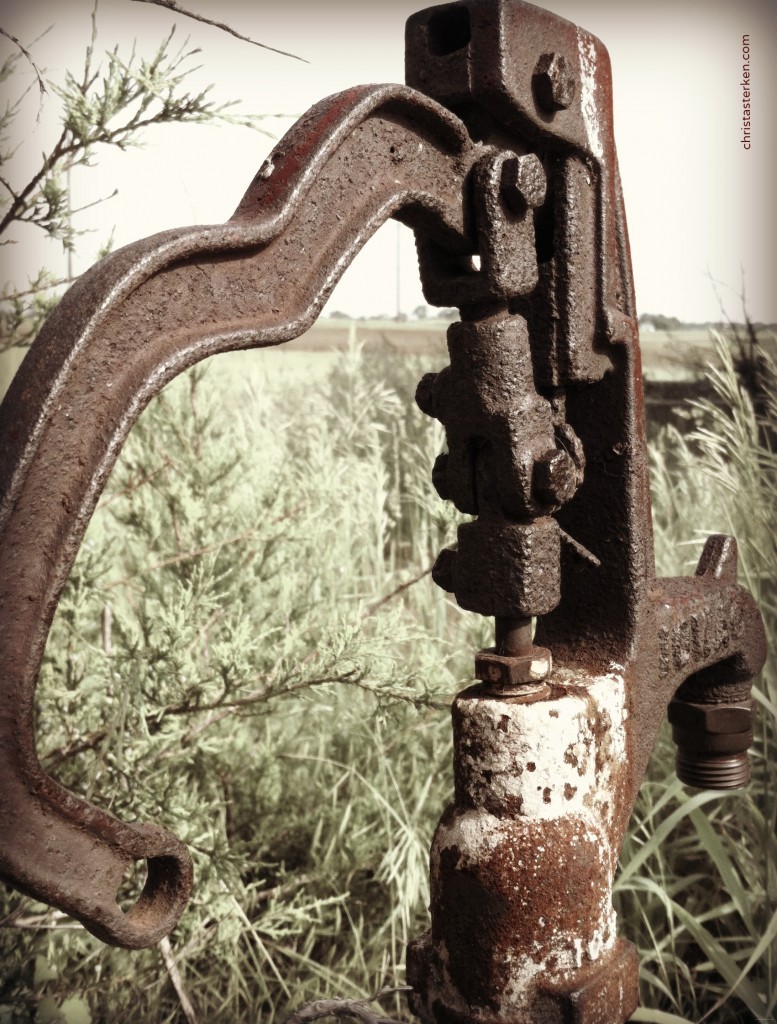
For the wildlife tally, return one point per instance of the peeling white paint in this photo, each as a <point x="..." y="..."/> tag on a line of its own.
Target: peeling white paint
<point x="474" y="833"/>
<point x="524" y="766"/>
<point x="544" y="755"/>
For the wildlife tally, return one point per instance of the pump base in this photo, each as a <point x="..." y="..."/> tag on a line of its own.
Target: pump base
<point x="605" y="992"/>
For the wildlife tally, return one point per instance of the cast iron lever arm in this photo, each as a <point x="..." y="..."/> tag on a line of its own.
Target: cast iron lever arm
<point x="123" y="331"/>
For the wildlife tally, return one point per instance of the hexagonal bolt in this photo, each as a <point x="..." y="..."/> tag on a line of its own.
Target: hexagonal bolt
<point x="514" y="675"/>
<point x="440" y="476"/>
<point x="714" y="719"/>
<point x="424" y="397"/>
<point x="712" y="742"/>
<point x="523" y="182"/>
<point x="554" y="478"/>
<point x="554" y="83"/>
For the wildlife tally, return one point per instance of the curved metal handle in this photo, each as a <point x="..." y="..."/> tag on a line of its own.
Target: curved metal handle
<point x="124" y="330"/>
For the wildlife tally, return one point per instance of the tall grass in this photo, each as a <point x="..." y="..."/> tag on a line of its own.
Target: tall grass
<point x="250" y="650"/>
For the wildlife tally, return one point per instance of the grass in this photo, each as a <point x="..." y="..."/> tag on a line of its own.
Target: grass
<point x="271" y="678"/>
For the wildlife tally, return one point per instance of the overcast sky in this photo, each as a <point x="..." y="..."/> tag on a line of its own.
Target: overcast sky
<point x="697" y="203"/>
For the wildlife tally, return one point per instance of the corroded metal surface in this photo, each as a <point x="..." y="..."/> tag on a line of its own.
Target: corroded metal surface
<point x="506" y="170"/>
<point x="522" y="862"/>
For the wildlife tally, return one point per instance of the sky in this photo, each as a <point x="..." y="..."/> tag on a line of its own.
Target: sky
<point x="700" y="208"/>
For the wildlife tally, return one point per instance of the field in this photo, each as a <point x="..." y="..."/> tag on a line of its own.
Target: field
<point x="251" y="651"/>
<point x="666" y="355"/>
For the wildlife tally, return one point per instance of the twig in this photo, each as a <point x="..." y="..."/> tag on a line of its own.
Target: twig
<point x="133" y="485"/>
<point x="107" y="624"/>
<point x="186" y="555"/>
<point x="56" y="757"/>
<point x="407" y="698"/>
<point x="345" y="1009"/>
<point x="175" y="976"/>
<point x="53" y="920"/>
<point x="264" y="895"/>
<point x="28" y="924"/>
<point x="221" y="710"/>
<point x="260" y="696"/>
<point x="5" y="185"/>
<point x="397" y="590"/>
<point x="94" y="202"/>
<point x="171" y="5"/>
<point x="11" y="296"/>
<point x="35" y="68"/>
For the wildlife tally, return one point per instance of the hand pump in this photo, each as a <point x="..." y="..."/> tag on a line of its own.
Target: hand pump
<point x="500" y="155"/>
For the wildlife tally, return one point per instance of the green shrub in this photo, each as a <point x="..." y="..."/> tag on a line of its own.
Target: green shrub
<point x="214" y="665"/>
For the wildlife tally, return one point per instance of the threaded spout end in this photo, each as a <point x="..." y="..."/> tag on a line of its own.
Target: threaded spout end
<point x="730" y="771"/>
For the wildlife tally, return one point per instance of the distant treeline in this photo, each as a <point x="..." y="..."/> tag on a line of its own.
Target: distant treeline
<point x="659" y="322"/>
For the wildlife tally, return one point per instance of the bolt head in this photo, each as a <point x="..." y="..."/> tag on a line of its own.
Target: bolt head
<point x="442" y="570"/>
<point x="554" y="479"/>
<point x="440" y="476"/>
<point x="554" y="83"/>
<point x="424" y="394"/>
<point x="523" y="182"/>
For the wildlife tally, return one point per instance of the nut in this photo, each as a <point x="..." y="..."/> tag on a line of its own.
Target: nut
<point x="523" y="182"/>
<point x="553" y="81"/>
<point x="719" y="719"/>
<point x="505" y="674"/>
<point x="510" y="569"/>
<point x="708" y="736"/>
<point x="554" y="478"/>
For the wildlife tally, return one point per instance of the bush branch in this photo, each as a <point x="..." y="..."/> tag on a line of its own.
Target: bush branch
<point x="41" y="84"/>
<point x="171" y="5"/>
<point x="396" y="591"/>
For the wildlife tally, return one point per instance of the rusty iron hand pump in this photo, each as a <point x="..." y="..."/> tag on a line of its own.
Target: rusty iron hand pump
<point x="500" y="156"/>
